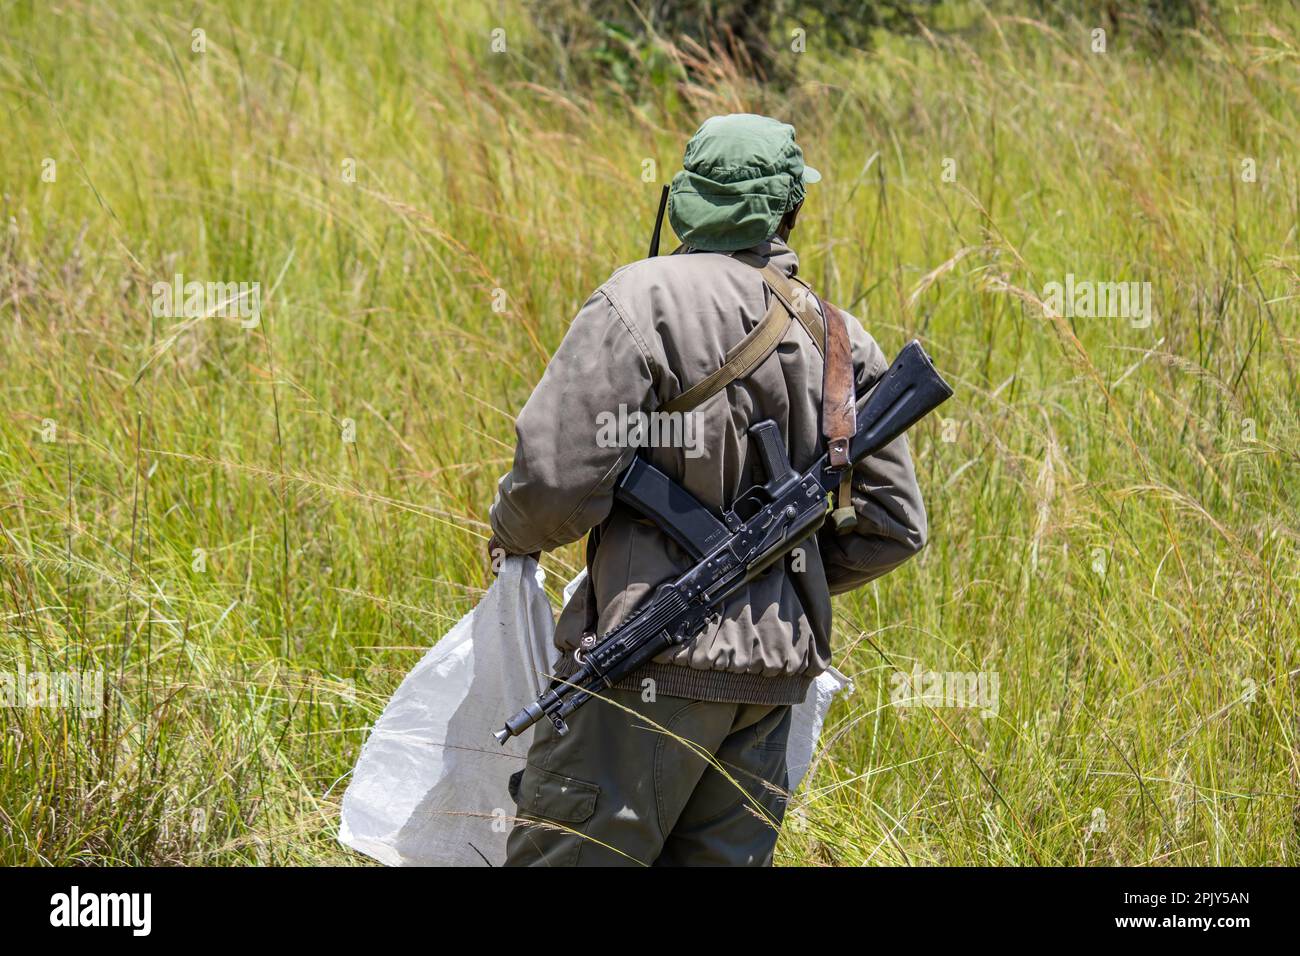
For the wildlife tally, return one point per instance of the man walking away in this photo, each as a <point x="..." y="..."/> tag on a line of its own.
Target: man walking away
<point x="616" y="790"/>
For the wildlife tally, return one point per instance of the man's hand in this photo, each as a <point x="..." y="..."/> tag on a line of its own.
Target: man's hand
<point x="497" y="555"/>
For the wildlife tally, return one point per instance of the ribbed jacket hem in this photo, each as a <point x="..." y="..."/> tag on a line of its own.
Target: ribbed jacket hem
<point x="679" y="680"/>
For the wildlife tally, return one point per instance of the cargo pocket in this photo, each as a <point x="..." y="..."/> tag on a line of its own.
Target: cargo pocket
<point x="553" y="796"/>
<point x="565" y="802"/>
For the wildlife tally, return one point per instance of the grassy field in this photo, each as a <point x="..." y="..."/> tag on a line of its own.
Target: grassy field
<point x="252" y="529"/>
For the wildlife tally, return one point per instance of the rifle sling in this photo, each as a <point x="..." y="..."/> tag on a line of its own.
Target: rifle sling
<point x="839" y="406"/>
<point x="793" y="293"/>
<point x="829" y="332"/>
<point x="788" y="303"/>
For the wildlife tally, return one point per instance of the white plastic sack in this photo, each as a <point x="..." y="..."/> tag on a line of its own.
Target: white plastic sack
<point x="806" y="723"/>
<point x="430" y="788"/>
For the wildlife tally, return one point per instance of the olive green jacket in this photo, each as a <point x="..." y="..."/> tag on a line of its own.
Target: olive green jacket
<point x="655" y="328"/>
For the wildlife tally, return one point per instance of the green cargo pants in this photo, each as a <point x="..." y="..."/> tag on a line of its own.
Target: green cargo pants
<point x="617" y="791"/>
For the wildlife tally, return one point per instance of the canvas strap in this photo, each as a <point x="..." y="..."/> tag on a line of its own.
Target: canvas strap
<point x="742" y="359"/>
<point x="792" y="299"/>
<point x="789" y="301"/>
<point x="793" y="293"/>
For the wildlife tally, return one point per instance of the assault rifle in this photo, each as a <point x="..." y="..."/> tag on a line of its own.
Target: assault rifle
<point x="765" y="524"/>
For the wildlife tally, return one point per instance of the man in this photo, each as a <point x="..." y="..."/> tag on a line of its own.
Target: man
<point x="637" y="778"/>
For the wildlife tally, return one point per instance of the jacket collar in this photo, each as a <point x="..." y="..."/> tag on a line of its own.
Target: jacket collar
<point x="779" y="254"/>
<point x="774" y="250"/>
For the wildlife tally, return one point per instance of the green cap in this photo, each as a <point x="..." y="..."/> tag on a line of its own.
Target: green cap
<point x="741" y="174"/>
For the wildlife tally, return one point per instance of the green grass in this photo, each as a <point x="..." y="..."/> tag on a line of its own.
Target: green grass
<point x="1161" y="692"/>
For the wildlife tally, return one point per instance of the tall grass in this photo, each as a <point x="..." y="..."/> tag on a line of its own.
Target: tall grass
<point x="1113" y="508"/>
